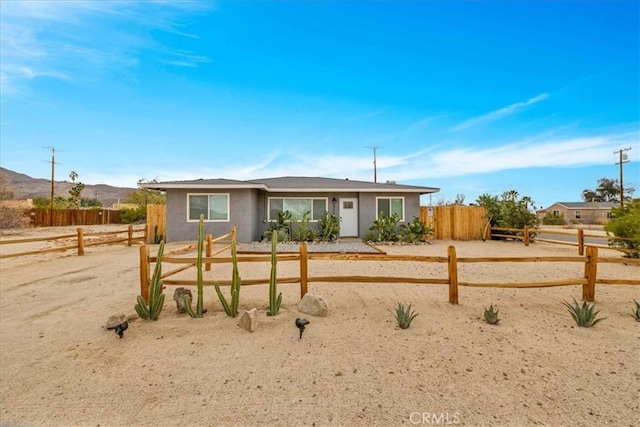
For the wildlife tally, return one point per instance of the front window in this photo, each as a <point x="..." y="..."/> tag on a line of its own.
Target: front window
<point x="214" y="207"/>
<point x="297" y="206"/>
<point x="390" y="206"/>
<point x="578" y="215"/>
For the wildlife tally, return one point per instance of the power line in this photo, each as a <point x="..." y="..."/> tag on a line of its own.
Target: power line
<point x="623" y="159"/>
<point x="375" y="167"/>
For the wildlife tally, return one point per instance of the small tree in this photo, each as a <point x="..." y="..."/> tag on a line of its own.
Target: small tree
<point x="508" y="211"/>
<point x="626" y="224"/>
<point x="608" y="190"/>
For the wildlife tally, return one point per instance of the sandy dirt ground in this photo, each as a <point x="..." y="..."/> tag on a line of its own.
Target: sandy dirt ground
<point x="60" y="366"/>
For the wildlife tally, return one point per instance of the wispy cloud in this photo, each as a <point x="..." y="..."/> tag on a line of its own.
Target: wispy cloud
<point x="502" y="112"/>
<point x="84" y="39"/>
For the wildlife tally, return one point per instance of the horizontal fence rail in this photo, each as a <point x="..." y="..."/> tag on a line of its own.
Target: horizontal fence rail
<point x="80" y="242"/>
<point x="588" y="280"/>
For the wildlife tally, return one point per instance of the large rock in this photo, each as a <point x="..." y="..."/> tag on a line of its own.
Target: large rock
<point x="115" y="320"/>
<point x="178" y="297"/>
<point x="313" y="305"/>
<point x="249" y="320"/>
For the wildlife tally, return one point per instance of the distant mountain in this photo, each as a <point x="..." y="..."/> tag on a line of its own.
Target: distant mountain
<point x="25" y="187"/>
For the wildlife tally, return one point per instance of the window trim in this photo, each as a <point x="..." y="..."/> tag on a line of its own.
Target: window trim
<point x="325" y="199"/>
<point x="390" y="198"/>
<point x="228" y="195"/>
<point x="577" y="214"/>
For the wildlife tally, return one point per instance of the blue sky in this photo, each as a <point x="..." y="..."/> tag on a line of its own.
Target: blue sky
<point x="472" y="97"/>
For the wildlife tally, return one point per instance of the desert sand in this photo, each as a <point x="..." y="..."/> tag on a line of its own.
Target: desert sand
<point x="60" y="366"/>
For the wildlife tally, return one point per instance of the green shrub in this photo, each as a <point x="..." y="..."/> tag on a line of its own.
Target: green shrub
<point x="626" y="224"/>
<point x="584" y="315"/>
<point x="551" y="219"/>
<point x="404" y="315"/>
<point x="131" y="216"/>
<point x="509" y="211"/>
<point x="491" y="316"/>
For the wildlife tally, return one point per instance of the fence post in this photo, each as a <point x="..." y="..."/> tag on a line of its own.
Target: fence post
<point x="580" y="241"/>
<point x="144" y="272"/>
<point x="80" y="241"/>
<point x="590" y="273"/>
<point x="209" y="251"/>
<point x="453" y="275"/>
<point x="304" y="262"/>
<point x="526" y="235"/>
<point x="130" y="232"/>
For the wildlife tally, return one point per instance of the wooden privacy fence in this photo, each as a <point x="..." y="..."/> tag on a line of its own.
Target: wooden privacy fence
<point x="80" y="243"/>
<point x="525" y="234"/>
<point x="65" y="217"/>
<point x="588" y="280"/>
<point x="156" y="222"/>
<point x="455" y="222"/>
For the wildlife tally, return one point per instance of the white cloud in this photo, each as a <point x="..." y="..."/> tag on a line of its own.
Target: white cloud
<point x="502" y="112"/>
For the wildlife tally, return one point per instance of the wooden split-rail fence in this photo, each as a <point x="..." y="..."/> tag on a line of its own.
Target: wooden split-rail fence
<point x="588" y="281"/>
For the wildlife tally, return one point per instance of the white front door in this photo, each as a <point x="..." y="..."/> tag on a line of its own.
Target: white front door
<point x="348" y="217"/>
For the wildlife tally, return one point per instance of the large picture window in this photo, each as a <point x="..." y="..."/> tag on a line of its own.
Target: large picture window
<point x="297" y="206"/>
<point x="214" y="207"/>
<point x="390" y="206"/>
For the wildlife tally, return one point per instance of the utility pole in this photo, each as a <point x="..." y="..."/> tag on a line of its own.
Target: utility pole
<point x="53" y="176"/>
<point x="623" y="159"/>
<point x="375" y="167"/>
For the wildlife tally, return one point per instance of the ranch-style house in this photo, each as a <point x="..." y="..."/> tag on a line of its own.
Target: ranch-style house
<point x="251" y="205"/>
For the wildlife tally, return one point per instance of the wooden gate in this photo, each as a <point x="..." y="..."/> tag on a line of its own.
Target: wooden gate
<point x="156" y="217"/>
<point x="455" y="222"/>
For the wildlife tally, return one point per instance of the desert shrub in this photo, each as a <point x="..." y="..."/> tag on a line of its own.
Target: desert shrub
<point x="508" y="211"/>
<point x="626" y="224"/>
<point x="131" y="216"/>
<point x="551" y="219"/>
<point x="385" y="228"/>
<point x="415" y="231"/>
<point x="584" y="314"/>
<point x="11" y="217"/>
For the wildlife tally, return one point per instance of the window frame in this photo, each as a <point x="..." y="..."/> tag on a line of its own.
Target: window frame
<point x="390" y="198"/>
<point x="577" y="214"/>
<point x="311" y="199"/>
<point x="208" y="195"/>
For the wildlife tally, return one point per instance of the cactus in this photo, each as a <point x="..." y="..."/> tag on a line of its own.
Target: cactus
<point x="636" y="312"/>
<point x="156" y="296"/>
<point x="583" y="315"/>
<point x="490" y="316"/>
<point x="404" y="315"/>
<point x="274" y="302"/>
<point x="232" y="310"/>
<point x="187" y="299"/>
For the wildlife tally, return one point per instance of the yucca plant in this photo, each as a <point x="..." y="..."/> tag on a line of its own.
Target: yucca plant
<point x="152" y="309"/>
<point x="404" y="315"/>
<point x="491" y="316"/>
<point x="584" y="315"/>
<point x="636" y="312"/>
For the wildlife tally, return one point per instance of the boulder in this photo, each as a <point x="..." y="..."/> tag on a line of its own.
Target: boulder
<point x="178" y="297"/>
<point x="115" y="320"/>
<point x="313" y="305"/>
<point x="249" y="320"/>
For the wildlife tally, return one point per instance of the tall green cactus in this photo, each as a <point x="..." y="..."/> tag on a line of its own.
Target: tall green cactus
<point x="274" y="302"/>
<point x="156" y="296"/>
<point x="232" y="310"/>
<point x="187" y="299"/>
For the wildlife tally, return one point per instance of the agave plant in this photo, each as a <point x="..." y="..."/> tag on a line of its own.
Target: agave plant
<point x="404" y="315"/>
<point x="636" y="312"/>
<point x="491" y="316"/>
<point x="584" y="315"/>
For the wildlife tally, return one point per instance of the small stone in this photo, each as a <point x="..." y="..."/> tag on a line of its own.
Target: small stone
<point x="313" y="305"/>
<point x="178" y="297"/>
<point x="249" y="320"/>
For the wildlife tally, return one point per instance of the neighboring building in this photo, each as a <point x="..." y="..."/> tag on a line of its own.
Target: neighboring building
<point x="580" y="212"/>
<point x="251" y="205"/>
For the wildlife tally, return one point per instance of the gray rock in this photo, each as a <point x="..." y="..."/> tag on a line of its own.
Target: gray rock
<point x="115" y="320"/>
<point x="249" y="320"/>
<point x="313" y="305"/>
<point x="178" y="297"/>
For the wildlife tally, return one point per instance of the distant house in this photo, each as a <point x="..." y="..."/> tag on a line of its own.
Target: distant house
<point x="251" y="205"/>
<point x="580" y="212"/>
